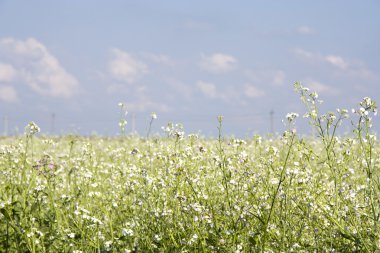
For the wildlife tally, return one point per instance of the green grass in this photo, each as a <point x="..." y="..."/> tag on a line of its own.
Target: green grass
<point x="183" y="193"/>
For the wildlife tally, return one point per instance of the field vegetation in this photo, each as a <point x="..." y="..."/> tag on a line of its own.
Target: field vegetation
<point x="186" y="193"/>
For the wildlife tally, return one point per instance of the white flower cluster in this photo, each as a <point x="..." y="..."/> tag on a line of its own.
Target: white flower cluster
<point x="174" y="130"/>
<point x="32" y="128"/>
<point x="367" y="105"/>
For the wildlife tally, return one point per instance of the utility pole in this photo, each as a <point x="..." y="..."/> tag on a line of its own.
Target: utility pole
<point x="52" y="127"/>
<point x="5" y="121"/>
<point x="271" y="113"/>
<point x="133" y="122"/>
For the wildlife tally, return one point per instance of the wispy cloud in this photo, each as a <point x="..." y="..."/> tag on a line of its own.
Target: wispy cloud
<point x="266" y="76"/>
<point x="230" y="94"/>
<point x="305" y="30"/>
<point x="161" y="59"/>
<point x="208" y="89"/>
<point x="336" y="61"/>
<point x="183" y="89"/>
<point x="141" y="102"/>
<point x="218" y="63"/>
<point x="124" y="67"/>
<point x="8" y="94"/>
<point x="146" y="104"/>
<point x="305" y="54"/>
<point x="333" y="60"/>
<point x="7" y="72"/>
<point x="252" y="91"/>
<point x="352" y="68"/>
<point x="197" y="25"/>
<point x="127" y="71"/>
<point x="279" y="77"/>
<point x="321" y="88"/>
<point x="32" y="63"/>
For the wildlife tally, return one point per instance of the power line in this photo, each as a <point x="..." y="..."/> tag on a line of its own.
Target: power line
<point x="137" y="119"/>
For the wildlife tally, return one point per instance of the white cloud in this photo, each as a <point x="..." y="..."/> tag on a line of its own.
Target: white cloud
<point x="348" y="68"/>
<point x="160" y="59"/>
<point x="37" y="67"/>
<point x="360" y="72"/>
<point x="208" y="89"/>
<point x="321" y="88"/>
<point x="267" y="76"/>
<point x="124" y="67"/>
<point x="197" y="25"/>
<point x="140" y="102"/>
<point x="252" y="91"/>
<point x="218" y="63"/>
<point x="279" y="77"/>
<point x="304" y="54"/>
<point x="137" y="98"/>
<point x="305" y="30"/>
<point x="183" y="89"/>
<point x="145" y="104"/>
<point x="117" y="88"/>
<point x="229" y="94"/>
<point x="336" y="61"/>
<point x="7" y="72"/>
<point x="8" y="94"/>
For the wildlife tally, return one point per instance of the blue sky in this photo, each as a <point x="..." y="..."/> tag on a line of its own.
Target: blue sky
<point x="188" y="61"/>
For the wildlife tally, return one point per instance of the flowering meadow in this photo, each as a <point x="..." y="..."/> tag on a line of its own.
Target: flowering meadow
<point x="186" y="193"/>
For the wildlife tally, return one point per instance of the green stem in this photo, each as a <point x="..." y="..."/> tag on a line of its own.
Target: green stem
<point x="282" y="179"/>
